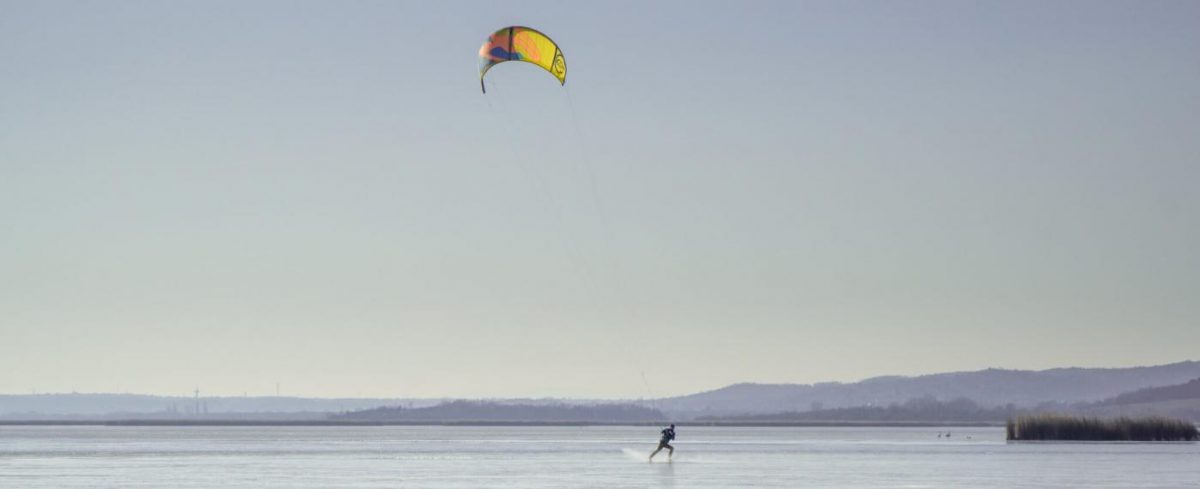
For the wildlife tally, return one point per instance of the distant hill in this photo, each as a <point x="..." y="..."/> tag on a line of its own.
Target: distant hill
<point x="919" y="410"/>
<point x="1188" y="409"/>
<point x="989" y="388"/>
<point x="1167" y="389"/>
<point x="498" y="412"/>
<point x="1174" y="401"/>
<point x="1180" y="401"/>
<point x="1189" y="390"/>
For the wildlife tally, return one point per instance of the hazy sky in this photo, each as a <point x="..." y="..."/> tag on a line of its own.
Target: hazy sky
<point x="233" y="194"/>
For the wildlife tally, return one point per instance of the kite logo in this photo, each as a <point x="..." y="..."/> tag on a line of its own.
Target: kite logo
<point x="559" y="67"/>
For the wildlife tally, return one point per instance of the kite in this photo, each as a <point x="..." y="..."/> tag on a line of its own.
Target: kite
<point x="518" y="43"/>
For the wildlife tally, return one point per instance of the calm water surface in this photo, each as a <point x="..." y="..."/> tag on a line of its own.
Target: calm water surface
<point x="555" y="457"/>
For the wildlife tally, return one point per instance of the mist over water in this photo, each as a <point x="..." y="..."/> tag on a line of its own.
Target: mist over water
<point x="555" y="457"/>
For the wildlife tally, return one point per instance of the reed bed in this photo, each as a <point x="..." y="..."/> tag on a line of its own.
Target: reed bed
<point x="1079" y="428"/>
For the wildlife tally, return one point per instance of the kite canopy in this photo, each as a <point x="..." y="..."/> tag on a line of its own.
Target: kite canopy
<point x="518" y="43"/>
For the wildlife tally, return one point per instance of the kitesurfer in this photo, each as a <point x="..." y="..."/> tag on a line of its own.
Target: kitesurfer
<point x="665" y="442"/>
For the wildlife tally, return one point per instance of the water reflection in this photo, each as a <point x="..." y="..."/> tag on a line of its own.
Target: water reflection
<point x="665" y="474"/>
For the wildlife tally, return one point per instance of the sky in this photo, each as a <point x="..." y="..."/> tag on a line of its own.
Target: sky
<point x="235" y="195"/>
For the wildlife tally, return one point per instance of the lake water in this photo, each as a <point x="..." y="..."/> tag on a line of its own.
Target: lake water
<point x="558" y="457"/>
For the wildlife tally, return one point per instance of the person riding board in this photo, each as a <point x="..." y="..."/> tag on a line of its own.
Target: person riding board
<point x="665" y="442"/>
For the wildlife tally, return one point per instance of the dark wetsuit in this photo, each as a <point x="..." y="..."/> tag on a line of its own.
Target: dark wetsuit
<point x="667" y="435"/>
<point x="665" y="442"/>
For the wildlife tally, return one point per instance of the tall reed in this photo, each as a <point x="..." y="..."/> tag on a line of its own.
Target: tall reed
<point x="1077" y="428"/>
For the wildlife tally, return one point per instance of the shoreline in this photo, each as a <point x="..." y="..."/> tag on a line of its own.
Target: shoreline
<point x="327" y="423"/>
